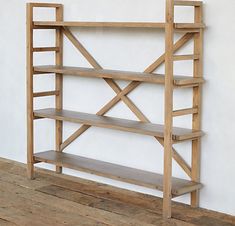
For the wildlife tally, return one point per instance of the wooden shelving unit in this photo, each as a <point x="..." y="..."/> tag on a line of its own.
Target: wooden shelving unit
<point x="166" y="134"/>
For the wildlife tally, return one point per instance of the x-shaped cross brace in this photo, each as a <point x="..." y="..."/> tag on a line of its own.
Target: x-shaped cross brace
<point x="122" y="94"/>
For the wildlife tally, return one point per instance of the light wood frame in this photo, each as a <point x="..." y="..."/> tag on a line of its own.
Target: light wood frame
<point x="190" y="31"/>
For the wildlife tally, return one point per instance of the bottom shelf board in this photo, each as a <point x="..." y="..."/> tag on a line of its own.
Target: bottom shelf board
<point x="116" y="172"/>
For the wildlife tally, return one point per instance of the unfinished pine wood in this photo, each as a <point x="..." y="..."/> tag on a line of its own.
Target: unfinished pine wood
<point x="30" y="117"/>
<point x="46" y="5"/>
<point x="46" y="49"/>
<point x="116" y="123"/>
<point x="118" y="75"/>
<point x="186" y="111"/>
<point x="52" y="24"/>
<point x="168" y="110"/>
<point x="47" y="93"/>
<point x="187" y="3"/>
<point x="126" y="174"/>
<point x="180" y="43"/>
<point x="59" y="82"/>
<point x="185" y="57"/>
<point x="197" y="102"/>
<point x="166" y="135"/>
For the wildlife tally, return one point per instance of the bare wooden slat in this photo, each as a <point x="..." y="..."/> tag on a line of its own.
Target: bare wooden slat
<point x="116" y="123"/>
<point x="185" y="57"/>
<point x="119" y="75"/>
<point x="100" y="24"/>
<point x="115" y="24"/>
<point x="189" y="25"/>
<point x="187" y="3"/>
<point x="187" y="30"/>
<point x="186" y="111"/>
<point x="40" y="73"/>
<point x="46" y="49"/>
<point x="44" y="27"/>
<point x="118" y="172"/>
<point x="49" y="5"/>
<point x="47" y="93"/>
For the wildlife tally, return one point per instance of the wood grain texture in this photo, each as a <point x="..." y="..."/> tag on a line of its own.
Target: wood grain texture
<point x="116" y="123"/>
<point x="168" y="109"/>
<point x="57" y="199"/>
<point x="118" y="75"/>
<point x="187" y="3"/>
<point x="30" y="117"/>
<point x="59" y="81"/>
<point x="197" y="102"/>
<point x="114" y="171"/>
<point x="46" y="49"/>
<point x="166" y="135"/>
<point x="152" y="25"/>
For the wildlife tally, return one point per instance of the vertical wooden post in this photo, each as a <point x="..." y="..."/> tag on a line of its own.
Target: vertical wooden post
<point x="59" y="82"/>
<point x="169" y="43"/>
<point x="196" y="123"/>
<point x="30" y="117"/>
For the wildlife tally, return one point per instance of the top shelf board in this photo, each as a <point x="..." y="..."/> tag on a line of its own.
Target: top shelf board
<point x="52" y="24"/>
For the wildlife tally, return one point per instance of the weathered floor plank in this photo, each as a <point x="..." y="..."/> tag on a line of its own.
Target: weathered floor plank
<point x="53" y="199"/>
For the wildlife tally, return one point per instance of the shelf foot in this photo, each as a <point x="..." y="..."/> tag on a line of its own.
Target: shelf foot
<point x="30" y="171"/>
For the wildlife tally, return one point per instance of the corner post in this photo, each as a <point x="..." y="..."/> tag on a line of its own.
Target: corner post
<point x="169" y="43"/>
<point x="197" y="99"/>
<point x="59" y="82"/>
<point x="30" y="117"/>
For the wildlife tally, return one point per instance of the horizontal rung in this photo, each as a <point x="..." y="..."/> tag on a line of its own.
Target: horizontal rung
<point x="178" y="134"/>
<point x="116" y="172"/>
<point x="47" y="93"/>
<point x="187" y="30"/>
<point x="47" y="5"/>
<point x="186" y="111"/>
<point x="189" y="25"/>
<point x="187" y="3"/>
<point x="46" y="49"/>
<point x="115" y="74"/>
<point x="51" y="24"/>
<point x="185" y="57"/>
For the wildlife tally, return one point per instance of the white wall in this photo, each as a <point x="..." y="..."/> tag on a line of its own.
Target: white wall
<point x="128" y="50"/>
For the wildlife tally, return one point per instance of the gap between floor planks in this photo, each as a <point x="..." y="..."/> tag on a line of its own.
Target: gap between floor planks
<point x="65" y="199"/>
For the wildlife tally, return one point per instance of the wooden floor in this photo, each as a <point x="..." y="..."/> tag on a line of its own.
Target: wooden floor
<point x="55" y="200"/>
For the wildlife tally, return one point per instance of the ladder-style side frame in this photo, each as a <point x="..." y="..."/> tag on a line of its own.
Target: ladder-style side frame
<point x="191" y="31"/>
<point x="58" y="93"/>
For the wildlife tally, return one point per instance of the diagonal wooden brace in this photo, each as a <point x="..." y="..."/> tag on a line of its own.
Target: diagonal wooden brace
<point x="121" y="94"/>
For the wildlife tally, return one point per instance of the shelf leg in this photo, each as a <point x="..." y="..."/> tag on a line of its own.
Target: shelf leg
<point x="196" y="122"/>
<point x="30" y="117"/>
<point x="169" y="47"/>
<point x="59" y="83"/>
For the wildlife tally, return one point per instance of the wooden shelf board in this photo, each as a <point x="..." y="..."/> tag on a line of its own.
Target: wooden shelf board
<point x="179" y="134"/>
<point x="115" y="24"/>
<point x="114" y="171"/>
<point x="119" y="75"/>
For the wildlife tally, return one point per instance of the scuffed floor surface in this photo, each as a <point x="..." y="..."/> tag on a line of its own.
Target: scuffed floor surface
<point x="56" y="200"/>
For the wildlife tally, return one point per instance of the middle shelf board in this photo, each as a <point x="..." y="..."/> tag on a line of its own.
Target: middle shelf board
<point x="116" y="172"/>
<point x="117" y="75"/>
<point x="179" y="134"/>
